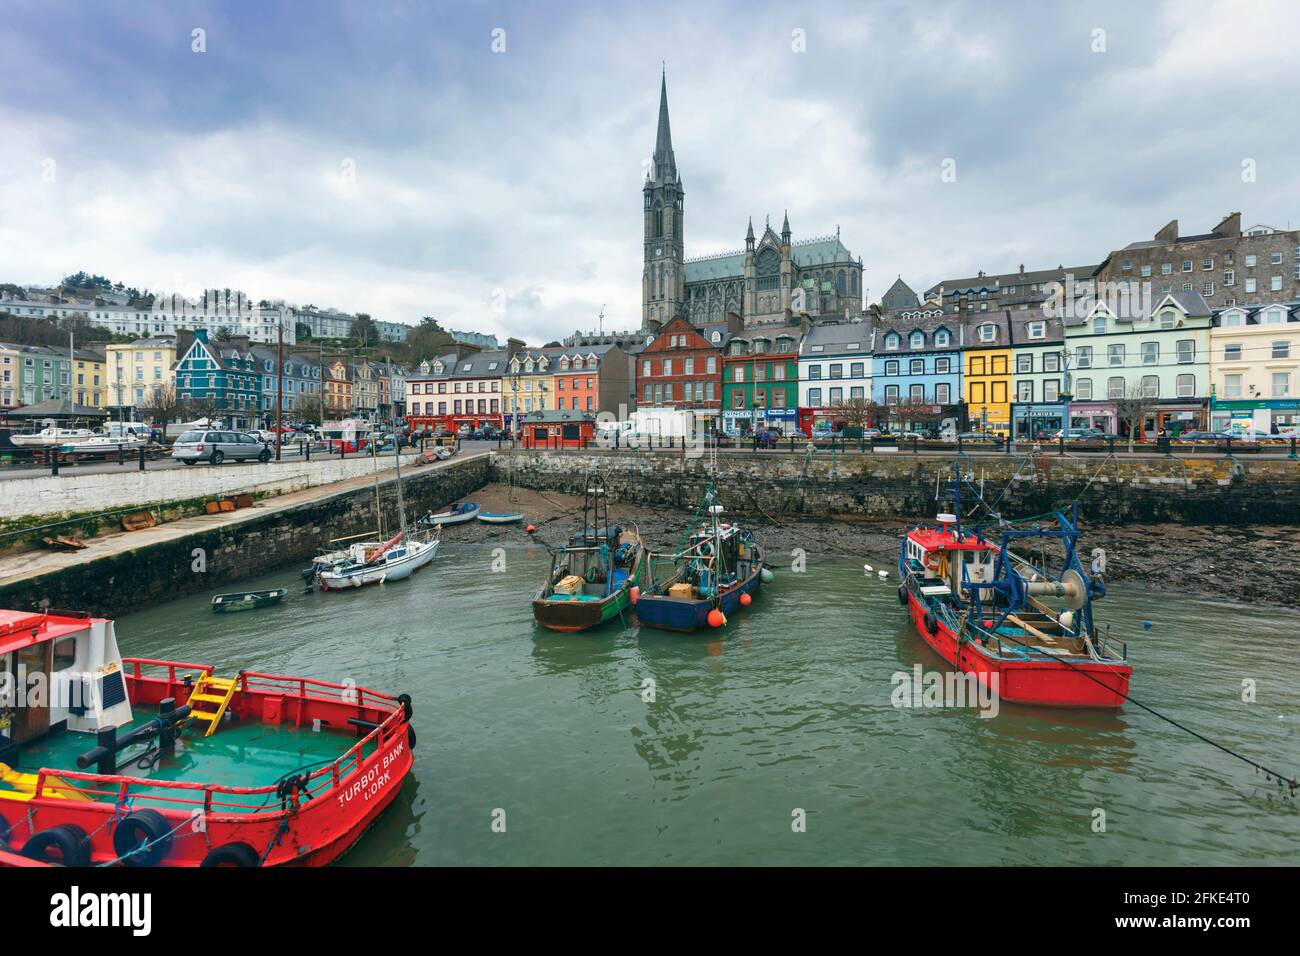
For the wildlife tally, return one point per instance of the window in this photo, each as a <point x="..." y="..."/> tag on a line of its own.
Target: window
<point x="814" y="372"/>
<point x="1115" y="387"/>
<point x="668" y="366"/>
<point x="1024" y="363"/>
<point x="1232" y="386"/>
<point x="778" y="397"/>
<point x="711" y="366"/>
<point x="1185" y="386"/>
<point x="1115" y="355"/>
<point x="988" y="332"/>
<point x="942" y="393"/>
<point x="738" y="373"/>
<point x="917" y="393"/>
<point x="1186" y="351"/>
<point x="837" y="370"/>
<point x="1083" y="389"/>
<point x="1275" y="284"/>
<point x="1051" y="362"/>
<point x="1272" y="317"/>
<point x="1229" y="277"/>
<point x="1051" y="389"/>
<point x="1207" y="265"/>
<point x="815" y="397"/>
<point x="857" y="370"/>
<point x="1187" y="265"/>
<point x="857" y="393"/>
<point x="1083" y="356"/>
<point x="916" y="340"/>
<point x="1099" y="325"/>
<point x="737" y="399"/>
<point x="1275" y="258"/>
<point x="760" y="372"/>
<point x="1232" y="352"/>
<point x="941" y="338"/>
<point x="891" y="367"/>
<point x="1037" y="330"/>
<point x="892" y="341"/>
<point x="916" y="367"/>
<point x="1166" y="268"/>
<point x="1250" y="283"/>
<point x="837" y="396"/>
<point x="1146" y="271"/>
<point x="1207" y="288"/>
<point x="976" y="366"/>
<point x="1024" y="391"/>
<point x="1281" y="384"/>
<point x="1150" y="386"/>
<point x="645" y="367"/>
<point x="942" y="366"/>
<point x="1150" y="353"/>
<point x="1281" y="350"/>
<point x="891" y="394"/>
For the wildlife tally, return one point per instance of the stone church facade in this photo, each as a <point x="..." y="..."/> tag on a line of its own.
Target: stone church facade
<point x="772" y="281"/>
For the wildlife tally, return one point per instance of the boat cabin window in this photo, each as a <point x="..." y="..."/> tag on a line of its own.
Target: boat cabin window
<point x="65" y="653"/>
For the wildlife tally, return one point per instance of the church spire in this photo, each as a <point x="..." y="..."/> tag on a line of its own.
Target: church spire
<point x="664" y="137"/>
<point x="785" y="228"/>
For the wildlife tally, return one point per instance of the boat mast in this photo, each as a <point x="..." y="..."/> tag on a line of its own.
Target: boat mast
<point x="397" y="447"/>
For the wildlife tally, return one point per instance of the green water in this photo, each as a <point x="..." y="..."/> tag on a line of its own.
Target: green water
<point x="788" y="709"/>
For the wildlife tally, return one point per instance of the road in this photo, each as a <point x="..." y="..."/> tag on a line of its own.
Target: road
<point x="288" y="453"/>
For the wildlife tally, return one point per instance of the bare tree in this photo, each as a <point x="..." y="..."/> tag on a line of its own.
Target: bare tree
<point x="311" y="410"/>
<point x="855" y="413"/>
<point x="1133" y="408"/>
<point x="162" y="405"/>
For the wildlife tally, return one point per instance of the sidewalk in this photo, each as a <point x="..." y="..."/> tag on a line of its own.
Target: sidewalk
<point x="20" y="567"/>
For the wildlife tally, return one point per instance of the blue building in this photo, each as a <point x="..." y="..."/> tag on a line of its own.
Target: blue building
<point x="916" y="367"/>
<point x="222" y="378"/>
<point x="301" y="379"/>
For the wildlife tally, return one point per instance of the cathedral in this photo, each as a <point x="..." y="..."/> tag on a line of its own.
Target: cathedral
<point x="773" y="281"/>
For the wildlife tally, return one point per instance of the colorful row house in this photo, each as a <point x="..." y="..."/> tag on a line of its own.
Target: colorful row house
<point x="835" y="377"/>
<point x="916" y="368"/>
<point x="680" y="368"/>
<point x="461" y="388"/>
<point x="760" y="381"/>
<point x="1255" y="367"/>
<point x="223" y="377"/>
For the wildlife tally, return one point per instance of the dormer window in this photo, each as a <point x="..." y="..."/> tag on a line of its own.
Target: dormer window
<point x="1273" y="317"/>
<point x="987" y="333"/>
<point x="1036" y="330"/>
<point x="892" y="341"/>
<point x="916" y="340"/>
<point x="941" y="339"/>
<point x="1099" y="325"/>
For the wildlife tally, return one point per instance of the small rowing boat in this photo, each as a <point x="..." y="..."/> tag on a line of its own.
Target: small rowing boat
<point x="247" y="600"/>
<point x="508" y="517"/>
<point x="459" y="514"/>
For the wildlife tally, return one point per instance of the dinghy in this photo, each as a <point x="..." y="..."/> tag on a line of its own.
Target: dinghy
<point x="460" y="513"/>
<point x="247" y="600"/>
<point x="492" y="517"/>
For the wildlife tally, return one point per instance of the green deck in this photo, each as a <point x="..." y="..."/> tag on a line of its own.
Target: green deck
<point x="239" y="754"/>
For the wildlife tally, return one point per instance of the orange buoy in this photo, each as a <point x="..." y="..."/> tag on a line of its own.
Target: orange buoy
<point x="635" y="593"/>
<point x="746" y="600"/>
<point x="717" y="618"/>
<point x="531" y="528"/>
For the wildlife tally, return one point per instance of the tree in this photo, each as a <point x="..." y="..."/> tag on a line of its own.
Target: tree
<point x="364" y="329"/>
<point x="301" y="330"/>
<point x="855" y="413"/>
<point x="162" y="405"/>
<point x="311" y="410"/>
<point x="223" y="333"/>
<point x="1133" y="409"/>
<point x="192" y="409"/>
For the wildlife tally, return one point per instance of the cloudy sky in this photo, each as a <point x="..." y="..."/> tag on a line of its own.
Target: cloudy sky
<point x="383" y="157"/>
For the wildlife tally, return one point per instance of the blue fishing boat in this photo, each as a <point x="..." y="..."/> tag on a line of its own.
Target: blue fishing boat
<point x="717" y="572"/>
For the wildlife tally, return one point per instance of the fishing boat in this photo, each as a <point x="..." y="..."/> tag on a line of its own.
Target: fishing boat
<point x="247" y="600"/>
<point x="716" y="573"/>
<point x="503" y="517"/>
<point x="592" y="577"/>
<point x="459" y="514"/>
<point x="393" y="560"/>
<point x="1024" y="630"/>
<point x="103" y="445"/>
<point x="140" y="762"/>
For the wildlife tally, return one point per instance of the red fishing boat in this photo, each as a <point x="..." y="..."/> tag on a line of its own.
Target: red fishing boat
<point x="1024" y="631"/>
<point x="105" y="760"/>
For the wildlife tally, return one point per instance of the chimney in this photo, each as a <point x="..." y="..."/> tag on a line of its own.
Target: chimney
<point x="1230" y="227"/>
<point x="1022" y="270"/>
<point x="1169" y="233"/>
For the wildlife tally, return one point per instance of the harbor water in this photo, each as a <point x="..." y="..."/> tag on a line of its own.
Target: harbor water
<point x="774" y="741"/>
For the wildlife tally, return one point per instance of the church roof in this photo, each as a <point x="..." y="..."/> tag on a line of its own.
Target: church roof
<point x="899" y="296"/>
<point x="816" y="252"/>
<point x="724" y="266"/>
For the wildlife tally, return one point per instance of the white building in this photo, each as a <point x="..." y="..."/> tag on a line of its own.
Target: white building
<point x="834" y="368"/>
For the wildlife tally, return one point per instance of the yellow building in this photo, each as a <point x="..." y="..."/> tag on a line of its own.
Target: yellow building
<point x="987" y="373"/>
<point x="89" y="384"/>
<point x="134" y="369"/>
<point x="10" y="369"/>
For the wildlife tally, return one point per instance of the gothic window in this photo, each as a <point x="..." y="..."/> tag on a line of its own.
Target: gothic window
<point x="658" y="220"/>
<point x="839" y="282"/>
<point x="854" y="280"/>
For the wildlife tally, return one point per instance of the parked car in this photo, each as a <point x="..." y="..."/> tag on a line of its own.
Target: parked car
<point x="215" y="447"/>
<point x="970" y="438"/>
<point x="1252" y="434"/>
<point x="1080" y="434"/>
<point x="1194" y="436"/>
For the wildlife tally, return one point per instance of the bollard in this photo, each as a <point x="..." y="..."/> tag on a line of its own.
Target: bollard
<point x="1111" y="439"/>
<point x="959" y="444"/>
<point x="308" y="448"/>
<point x="915" y="449"/>
<point x="54" y="461"/>
<point x="142" y="459"/>
<point x="1227" y="453"/>
<point x="1292" y="455"/>
<point x="1062" y="451"/>
<point x="121" y="457"/>
<point x="1008" y="444"/>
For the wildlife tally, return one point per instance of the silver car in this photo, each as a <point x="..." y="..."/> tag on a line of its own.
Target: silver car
<point x="216" y="447"/>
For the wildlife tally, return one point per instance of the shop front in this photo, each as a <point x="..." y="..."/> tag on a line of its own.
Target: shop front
<point x="738" y="422"/>
<point x="1266" y="415"/>
<point x="784" y="419"/>
<point x="1098" y="415"/>
<point x="1034" y="421"/>
<point x="1174" y="418"/>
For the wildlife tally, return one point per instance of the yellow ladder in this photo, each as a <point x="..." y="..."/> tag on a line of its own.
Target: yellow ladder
<point x="211" y="692"/>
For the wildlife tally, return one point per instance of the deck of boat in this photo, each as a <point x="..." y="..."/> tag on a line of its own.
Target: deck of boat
<point x="239" y="754"/>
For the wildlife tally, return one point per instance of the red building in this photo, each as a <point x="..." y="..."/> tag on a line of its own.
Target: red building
<point x="682" y="369"/>
<point x="557" y="429"/>
<point x="460" y="388"/>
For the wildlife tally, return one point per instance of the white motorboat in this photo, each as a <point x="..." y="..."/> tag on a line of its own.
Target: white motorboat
<point x="459" y="514"/>
<point x="103" y="445"/>
<point x="399" y="558"/>
<point x="506" y="517"/>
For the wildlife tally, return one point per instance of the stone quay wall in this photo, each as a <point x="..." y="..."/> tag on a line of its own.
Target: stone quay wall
<point x="1109" y="490"/>
<point x="128" y="580"/>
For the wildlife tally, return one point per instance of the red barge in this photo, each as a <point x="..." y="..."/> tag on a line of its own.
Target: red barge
<point x="1025" y="632"/>
<point x="105" y="760"/>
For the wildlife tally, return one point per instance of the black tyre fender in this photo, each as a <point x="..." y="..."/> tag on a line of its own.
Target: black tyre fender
<point x="407" y="708"/>
<point x="232" y="854"/>
<point x="931" y="624"/>
<point x="902" y="595"/>
<point x="410" y="736"/>
<point x="139" y="827"/>
<point x="69" y="843"/>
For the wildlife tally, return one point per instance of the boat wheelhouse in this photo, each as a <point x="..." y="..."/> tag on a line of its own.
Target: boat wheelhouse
<point x="1023" y="630"/>
<point x="163" y="763"/>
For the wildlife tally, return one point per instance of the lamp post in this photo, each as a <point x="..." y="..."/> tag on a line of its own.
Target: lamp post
<point x="1066" y="393"/>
